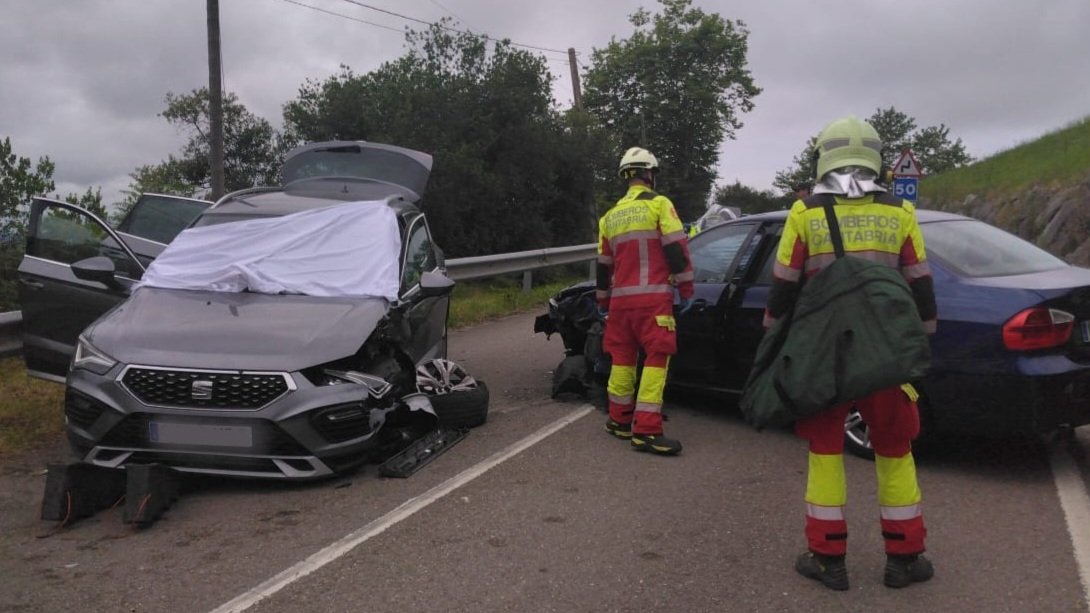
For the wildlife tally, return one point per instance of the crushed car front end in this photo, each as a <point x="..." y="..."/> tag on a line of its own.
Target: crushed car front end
<point x="307" y="411"/>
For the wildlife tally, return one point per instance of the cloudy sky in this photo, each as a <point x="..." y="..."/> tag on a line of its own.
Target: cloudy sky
<point x="83" y="81"/>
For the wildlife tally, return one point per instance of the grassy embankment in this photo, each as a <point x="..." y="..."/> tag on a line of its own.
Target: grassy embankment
<point x="31" y="409"/>
<point x="1059" y="156"/>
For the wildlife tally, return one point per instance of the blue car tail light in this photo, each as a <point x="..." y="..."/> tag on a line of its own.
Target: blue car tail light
<point x="1038" y="328"/>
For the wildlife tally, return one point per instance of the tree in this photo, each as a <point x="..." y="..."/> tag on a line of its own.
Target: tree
<point x="936" y="153"/>
<point x="801" y="172"/>
<point x="676" y="86"/>
<point x="895" y="129"/>
<point x="252" y="151"/>
<point x="90" y="200"/>
<point x="932" y="147"/>
<point x="750" y="200"/>
<point x="509" y="172"/>
<point x="20" y="181"/>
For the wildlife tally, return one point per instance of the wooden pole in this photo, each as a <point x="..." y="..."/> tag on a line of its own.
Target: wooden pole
<point x="215" y="101"/>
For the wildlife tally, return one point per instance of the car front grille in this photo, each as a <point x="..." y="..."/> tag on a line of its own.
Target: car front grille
<point x="204" y="389"/>
<point x="268" y="438"/>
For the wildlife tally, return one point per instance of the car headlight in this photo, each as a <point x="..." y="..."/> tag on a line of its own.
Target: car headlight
<point x="90" y="358"/>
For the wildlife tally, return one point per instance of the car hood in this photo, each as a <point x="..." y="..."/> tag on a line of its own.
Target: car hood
<point x="247" y="331"/>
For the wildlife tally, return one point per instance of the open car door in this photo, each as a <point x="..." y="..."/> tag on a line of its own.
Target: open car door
<point x="75" y="269"/>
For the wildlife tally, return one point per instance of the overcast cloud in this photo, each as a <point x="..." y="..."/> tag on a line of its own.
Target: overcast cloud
<point x="83" y="81"/>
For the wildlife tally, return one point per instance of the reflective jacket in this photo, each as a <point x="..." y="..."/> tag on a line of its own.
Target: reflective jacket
<point x="642" y="252"/>
<point x="877" y="227"/>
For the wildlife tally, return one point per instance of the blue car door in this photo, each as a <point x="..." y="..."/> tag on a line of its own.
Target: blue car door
<point x="717" y="254"/>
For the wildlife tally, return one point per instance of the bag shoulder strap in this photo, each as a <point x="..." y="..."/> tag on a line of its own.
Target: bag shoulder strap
<point x="826" y="201"/>
<point x="648" y="195"/>
<point x="834" y="230"/>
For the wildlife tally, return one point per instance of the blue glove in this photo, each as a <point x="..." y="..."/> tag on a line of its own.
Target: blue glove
<point x="684" y="306"/>
<point x="603" y="313"/>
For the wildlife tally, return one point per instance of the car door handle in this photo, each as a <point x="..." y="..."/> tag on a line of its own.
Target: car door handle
<point x="32" y="284"/>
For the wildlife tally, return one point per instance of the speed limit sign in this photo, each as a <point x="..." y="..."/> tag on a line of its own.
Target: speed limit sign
<point x="905" y="187"/>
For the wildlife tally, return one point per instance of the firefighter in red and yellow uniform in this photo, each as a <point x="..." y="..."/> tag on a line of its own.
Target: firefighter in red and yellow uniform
<point x="875" y="226"/>
<point x="643" y="255"/>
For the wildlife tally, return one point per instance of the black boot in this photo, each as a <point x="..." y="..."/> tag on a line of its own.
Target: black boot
<point x="656" y="443"/>
<point x="831" y="571"/>
<point x="618" y="429"/>
<point x="903" y="571"/>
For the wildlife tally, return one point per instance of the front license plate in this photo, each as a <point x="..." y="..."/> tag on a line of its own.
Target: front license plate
<point x="200" y="434"/>
<point x="1084" y="327"/>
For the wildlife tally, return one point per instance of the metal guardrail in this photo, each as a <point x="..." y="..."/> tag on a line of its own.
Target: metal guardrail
<point x="459" y="269"/>
<point x="480" y="267"/>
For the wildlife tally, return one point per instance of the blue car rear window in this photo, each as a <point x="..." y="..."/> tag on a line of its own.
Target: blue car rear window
<point x="976" y="249"/>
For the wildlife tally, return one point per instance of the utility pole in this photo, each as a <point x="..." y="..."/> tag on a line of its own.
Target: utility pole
<point x="577" y="105"/>
<point x="577" y="93"/>
<point x="215" y="100"/>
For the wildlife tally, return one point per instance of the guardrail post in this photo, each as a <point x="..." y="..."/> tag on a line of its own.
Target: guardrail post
<point x="592" y="271"/>
<point x="527" y="281"/>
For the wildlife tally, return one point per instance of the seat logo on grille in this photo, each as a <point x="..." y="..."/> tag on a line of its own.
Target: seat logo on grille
<point x="201" y="390"/>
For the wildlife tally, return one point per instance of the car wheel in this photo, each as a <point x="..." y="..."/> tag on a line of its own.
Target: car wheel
<point x="857" y="436"/>
<point x="459" y="400"/>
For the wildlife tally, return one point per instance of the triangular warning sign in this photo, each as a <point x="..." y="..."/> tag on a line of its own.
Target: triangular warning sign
<point x="907" y="166"/>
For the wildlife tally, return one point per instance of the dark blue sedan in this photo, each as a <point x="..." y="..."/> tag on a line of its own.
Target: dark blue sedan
<point x="1011" y="355"/>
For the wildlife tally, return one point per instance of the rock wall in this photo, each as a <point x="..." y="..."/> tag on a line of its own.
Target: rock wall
<point x="1055" y="217"/>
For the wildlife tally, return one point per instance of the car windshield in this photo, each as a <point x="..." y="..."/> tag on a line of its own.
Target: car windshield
<point x="358" y="162"/>
<point x="976" y="249"/>
<point x="349" y="249"/>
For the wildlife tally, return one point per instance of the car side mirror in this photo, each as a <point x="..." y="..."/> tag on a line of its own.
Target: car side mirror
<point x="433" y="284"/>
<point x="98" y="268"/>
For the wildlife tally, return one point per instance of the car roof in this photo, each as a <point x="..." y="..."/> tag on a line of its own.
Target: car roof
<point x="922" y="215"/>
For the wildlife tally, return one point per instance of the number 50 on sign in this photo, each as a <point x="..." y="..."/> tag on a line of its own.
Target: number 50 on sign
<point x="905" y="187"/>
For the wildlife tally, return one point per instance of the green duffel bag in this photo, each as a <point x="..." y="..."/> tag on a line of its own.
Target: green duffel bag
<point x="854" y="330"/>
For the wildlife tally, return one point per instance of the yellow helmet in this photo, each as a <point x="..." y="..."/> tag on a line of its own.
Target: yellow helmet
<point x="849" y="141"/>
<point x="636" y="159"/>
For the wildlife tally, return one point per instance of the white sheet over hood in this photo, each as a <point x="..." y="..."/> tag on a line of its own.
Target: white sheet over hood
<point x="348" y="249"/>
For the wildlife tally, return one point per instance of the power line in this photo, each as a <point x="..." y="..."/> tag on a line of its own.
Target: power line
<point x="428" y="23"/>
<point x="436" y="3"/>
<point x="321" y="10"/>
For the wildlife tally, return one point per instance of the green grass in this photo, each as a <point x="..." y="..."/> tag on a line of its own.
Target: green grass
<point x="1057" y="157"/>
<point x="478" y="301"/>
<point x="32" y="410"/>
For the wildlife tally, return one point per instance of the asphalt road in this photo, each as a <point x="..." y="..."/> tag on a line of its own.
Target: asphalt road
<point x="540" y="510"/>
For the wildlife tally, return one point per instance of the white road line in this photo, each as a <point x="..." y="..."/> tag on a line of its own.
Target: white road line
<point x="1076" y="508"/>
<point x="378" y="526"/>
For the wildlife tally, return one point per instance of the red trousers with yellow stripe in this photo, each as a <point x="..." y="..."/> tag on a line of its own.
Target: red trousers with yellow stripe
<point x="651" y="329"/>
<point x="893" y="421"/>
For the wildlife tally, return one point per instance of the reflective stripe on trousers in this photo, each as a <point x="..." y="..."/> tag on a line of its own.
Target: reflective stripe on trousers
<point x="893" y="421"/>
<point x="628" y="331"/>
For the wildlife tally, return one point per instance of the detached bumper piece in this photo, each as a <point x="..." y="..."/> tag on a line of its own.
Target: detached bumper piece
<point x="77" y="491"/>
<point x="150" y="490"/>
<point x="421" y="452"/>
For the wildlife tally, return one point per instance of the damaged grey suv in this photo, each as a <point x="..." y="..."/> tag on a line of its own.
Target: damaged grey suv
<point x="291" y="332"/>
